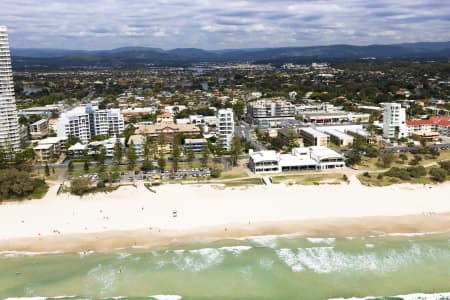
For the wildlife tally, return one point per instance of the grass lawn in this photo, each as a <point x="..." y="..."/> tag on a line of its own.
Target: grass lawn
<point x="243" y="182"/>
<point x="236" y="173"/>
<point x="373" y="180"/>
<point x="370" y="164"/>
<point x="309" y="179"/>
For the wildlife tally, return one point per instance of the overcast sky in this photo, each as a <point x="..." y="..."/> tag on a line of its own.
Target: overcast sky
<point x="221" y="24"/>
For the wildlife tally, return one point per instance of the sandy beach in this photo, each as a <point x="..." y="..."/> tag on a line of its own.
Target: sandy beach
<point x="136" y="217"/>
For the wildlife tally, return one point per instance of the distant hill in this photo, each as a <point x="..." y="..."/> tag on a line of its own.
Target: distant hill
<point x="136" y="57"/>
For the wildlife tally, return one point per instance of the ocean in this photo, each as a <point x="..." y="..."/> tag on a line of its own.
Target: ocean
<point x="266" y="267"/>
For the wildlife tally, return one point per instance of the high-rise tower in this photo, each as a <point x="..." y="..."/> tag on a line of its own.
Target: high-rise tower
<point x="9" y="122"/>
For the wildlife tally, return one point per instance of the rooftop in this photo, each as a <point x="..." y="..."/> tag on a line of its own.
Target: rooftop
<point x="323" y="152"/>
<point x="442" y="121"/>
<point x="166" y="126"/>
<point x="52" y="140"/>
<point x="261" y="156"/>
<point x="338" y="134"/>
<point x="314" y="132"/>
<point x="195" y="141"/>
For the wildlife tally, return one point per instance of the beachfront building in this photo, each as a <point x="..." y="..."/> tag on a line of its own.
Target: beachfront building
<point x="269" y="112"/>
<point x="425" y="136"/>
<point x="314" y="137"/>
<point x="108" y="121"/>
<point x="394" y="121"/>
<point x="339" y="138"/>
<point x="88" y="121"/>
<point x="440" y="124"/>
<point x="76" y="122"/>
<point x="78" y="150"/>
<point x="138" y="142"/>
<point x="109" y="144"/>
<point x="9" y="125"/>
<point x="196" y="145"/>
<point x="309" y="158"/>
<point x="49" y="148"/>
<point x="225" y="127"/>
<point x="168" y="130"/>
<point x="39" y="129"/>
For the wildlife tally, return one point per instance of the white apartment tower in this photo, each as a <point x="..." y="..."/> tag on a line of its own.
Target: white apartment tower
<point x="88" y="121"/>
<point x="76" y="122"/>
<point x="9" y="124"/>
<point x="225" y="127"/>
<point x="394" y="121"/>
<point x="108" y="121"/>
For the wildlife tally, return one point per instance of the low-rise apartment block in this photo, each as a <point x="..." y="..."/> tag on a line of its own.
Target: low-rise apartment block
<point x="439" y="124"/>
<point x="138" y="142"/>
<point x="168" y="130"/>
<point x="196" y="145"/>
<point x="49" y="148"/>
<point x="269" y="112"/>
<point x="39" y="129"/>
<point x="334" y="117"/>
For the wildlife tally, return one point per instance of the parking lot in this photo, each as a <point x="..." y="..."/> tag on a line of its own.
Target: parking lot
<point x="154" y="175"/>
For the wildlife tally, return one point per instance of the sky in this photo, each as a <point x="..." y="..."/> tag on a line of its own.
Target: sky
<point x="221" y="24"/>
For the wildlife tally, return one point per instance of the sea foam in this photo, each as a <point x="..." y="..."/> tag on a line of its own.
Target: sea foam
<point x="435" y="296"/>
<point x="318" y="240"/>
<point x="328" y="259"/>
<point x="166" y="297"/>
<point x="197" y="259"/>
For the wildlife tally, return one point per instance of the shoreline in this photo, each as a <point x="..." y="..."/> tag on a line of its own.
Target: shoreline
<point x="185" y="213"/>
<point x="112" y="241"/>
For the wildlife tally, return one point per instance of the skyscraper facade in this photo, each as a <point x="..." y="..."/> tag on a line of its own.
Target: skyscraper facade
<point x="9" y="122"/>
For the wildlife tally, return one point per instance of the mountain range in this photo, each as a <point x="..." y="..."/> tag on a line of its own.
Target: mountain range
<point x="136" y="57"/>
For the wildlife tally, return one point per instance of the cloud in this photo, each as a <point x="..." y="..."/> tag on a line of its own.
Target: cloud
<point x="217" y="24"/>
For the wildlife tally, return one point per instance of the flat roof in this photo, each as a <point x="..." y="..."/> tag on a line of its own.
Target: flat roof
<point x="192" y="141"/>
<point x="338" y="134"/>
<point x="261" y="156"/>
<point x="43" y="147"/>
<point x="295" y="160"/>
<point x="360" y="132"/>
<point x="323" y="152"/>
<point x="313" y="132"/>
<point x="137" y="138"/>
<point x="39" y="122"/>
<point x="52" y="140"/>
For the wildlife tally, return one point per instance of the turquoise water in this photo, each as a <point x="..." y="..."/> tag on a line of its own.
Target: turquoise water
<point x="252" y="268"/>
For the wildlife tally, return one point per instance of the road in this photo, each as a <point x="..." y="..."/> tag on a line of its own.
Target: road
<point x="245" y="130"/>
<point x="407" y="149"/>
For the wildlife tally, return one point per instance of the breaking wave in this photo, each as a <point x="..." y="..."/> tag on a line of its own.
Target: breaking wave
<point x="328" y="259"/>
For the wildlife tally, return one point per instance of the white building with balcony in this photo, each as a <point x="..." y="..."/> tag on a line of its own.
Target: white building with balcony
<point x="108" y="121"/>
<point x="394" y="121"/>
<point x="87" y="121"/>
<point x="300" y="159"/>
<point x="225" y="127"/>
